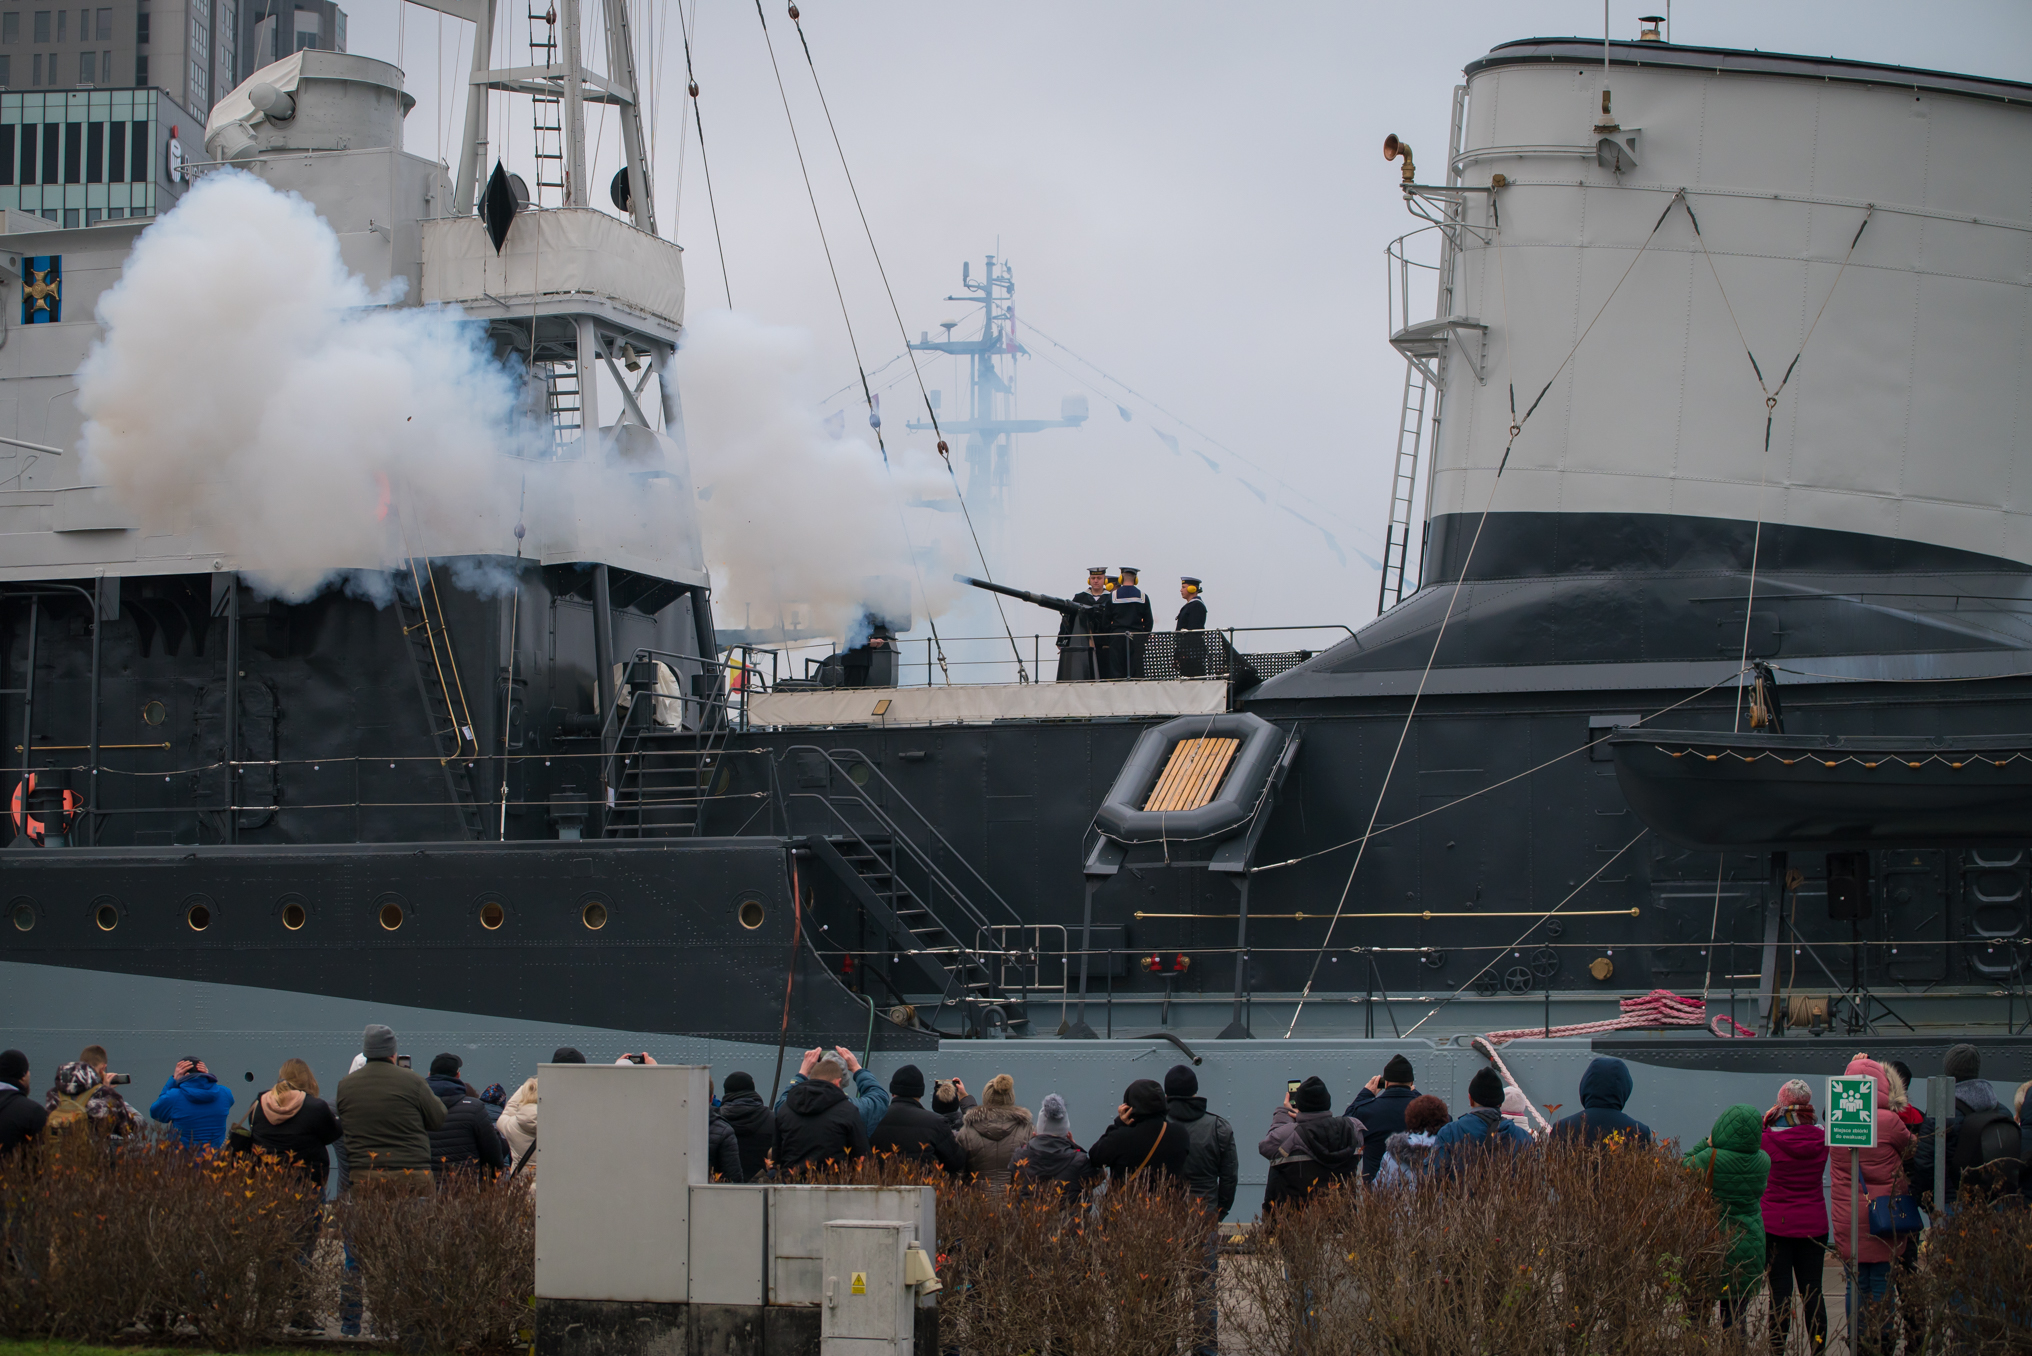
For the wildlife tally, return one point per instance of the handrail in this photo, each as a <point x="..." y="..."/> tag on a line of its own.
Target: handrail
<point x="882" y="816"/>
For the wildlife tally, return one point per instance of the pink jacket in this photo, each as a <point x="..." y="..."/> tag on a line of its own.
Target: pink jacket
<point x="1883" y="1169"/>
<point x="1793" y="1204"/>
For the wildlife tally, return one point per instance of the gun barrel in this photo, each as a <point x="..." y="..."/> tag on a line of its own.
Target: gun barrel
<point x="1039" y="599"/>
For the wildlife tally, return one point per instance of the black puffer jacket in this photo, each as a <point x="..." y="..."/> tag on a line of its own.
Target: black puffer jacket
<point x="20" y="1118"/>
<point x="467" y="1139"/>
<point x="817" y="1122"/>
<point x="1307" y="1151"/>
<point x="1381" y="1115"/>
<point x="1211" y="1165"/>
<point x="723" y="1149"/>
<point x="910" y="1131"/>
<point x="754" y="1128"/>
<point x="1148" y="1140"/>
<point x="1047" y="1163"/>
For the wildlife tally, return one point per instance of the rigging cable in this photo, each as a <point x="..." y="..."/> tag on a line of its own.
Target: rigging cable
<point x="847" y="319"/>
<point x="1522" y="936"/>
<point x="1763" y="483"/>
<point x="944" y="452"/>
<point x="1516" y="428"/>
<point x="705" y="164"/>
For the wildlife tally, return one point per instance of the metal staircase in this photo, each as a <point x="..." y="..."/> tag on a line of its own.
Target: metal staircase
<point x="896" y="879"/>
<point x="1397" y="537"/>
<point x="428" y="642"/>
<point x="665" y="777"/>
<point x="547" y="111"/>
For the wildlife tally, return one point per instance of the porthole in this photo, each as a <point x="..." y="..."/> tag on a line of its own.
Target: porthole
<point x="492" y="915"/>
<point x="22" y="913"/>
<point x="860" y="774"/>
<point x="294" y="916"/>
<point x="107" y="916"/>
<point x="594" y="915"/>
<point x="389" y="915"/>
<point x="199" y="916"/>
<point x="154" y="713"/>
<point x="750" y="914"/>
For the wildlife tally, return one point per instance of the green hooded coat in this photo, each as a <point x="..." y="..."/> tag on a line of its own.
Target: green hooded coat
<point x="1739" y="1170"/>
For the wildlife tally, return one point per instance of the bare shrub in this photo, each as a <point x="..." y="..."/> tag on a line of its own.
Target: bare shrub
<point x="1971" y="1293"/>
<point x="102" y="1240"/>
<point x="1561" y="1249"/>
<point x="446" y="1270"/>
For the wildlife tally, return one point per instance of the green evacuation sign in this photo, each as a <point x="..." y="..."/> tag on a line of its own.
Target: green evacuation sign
<point x="1852" y="1113"/>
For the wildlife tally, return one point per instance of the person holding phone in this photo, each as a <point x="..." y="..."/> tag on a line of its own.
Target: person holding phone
<point x="388" y="1113"/>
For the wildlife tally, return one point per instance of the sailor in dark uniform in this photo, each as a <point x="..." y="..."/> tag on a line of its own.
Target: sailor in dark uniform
<point x="1190" y="649"/>
<point x="1131" y="622"/>
<point x="1077" y="659"/>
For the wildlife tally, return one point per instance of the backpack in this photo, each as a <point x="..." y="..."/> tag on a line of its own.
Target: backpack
<point x="70" y="1114"/>
<point x="1987" y="1149"/>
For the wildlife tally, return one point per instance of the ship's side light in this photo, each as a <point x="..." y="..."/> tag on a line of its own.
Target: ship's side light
<point x="198" y="916"/>
<point x="389" y="916"/>
<point x="22" y="913"/>
<point x="751" y="915"/>
<point x="492" y="915"/>
<point x="294" y="916"/>
<point x="106" y="917"/>
<point x="593" y="915"/>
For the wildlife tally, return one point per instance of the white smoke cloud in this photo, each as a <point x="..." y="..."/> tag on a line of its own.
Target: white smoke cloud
<point x="797" y="522"/>
<point x="251" y="393"/>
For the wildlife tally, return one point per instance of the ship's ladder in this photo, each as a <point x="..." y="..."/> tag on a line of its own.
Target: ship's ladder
<point x="427" y="638"/>
<point x="1403" y="479"/>
<point x="546" y="111"/>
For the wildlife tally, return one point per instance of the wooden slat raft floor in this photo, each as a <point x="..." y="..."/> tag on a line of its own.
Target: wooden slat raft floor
<point x="1192" y="775"/>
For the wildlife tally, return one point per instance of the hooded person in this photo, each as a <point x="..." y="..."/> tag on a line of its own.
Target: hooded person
<point x="723" y="1146"/>
<point x="754" y="1124"/>
<point x="990" y="1134"/>
<point x="1483" y="1127"/>
<point x="1308" y="1146"/>
<point x="1732" y="1163"/>
<point x="1140" y="1140"/>
<point x="195" y="1103"/>
<point x="816" y="1122"/>
<point x="291" y="1120"/>
<point x="494" y="1097"/>
<point x="1212" y="1168"/>
<point x="1380" y="1107"/>
<point x="1794" y="1211"/>
<point x="1517" y="1109"/>
<point x="468" y="1138"/>
<point x="1408" y="1153"/>
<point x="1050" y="1160"/>
<point x="1883" y="1174"/>
<point x="1984" y="1145"/>
<point x="518" y="1131"/>
<point x="83" y="1085"/>
<point x="912" y="1130"/>
<point x="1604" y="1089"/>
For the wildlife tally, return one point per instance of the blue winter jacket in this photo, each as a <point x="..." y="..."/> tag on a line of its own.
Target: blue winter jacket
<point x="869" y="1097"/>
<point x="1604" y="1088"/>
<point x="198" y="1107"/>
<point x="1481" y="1128"/>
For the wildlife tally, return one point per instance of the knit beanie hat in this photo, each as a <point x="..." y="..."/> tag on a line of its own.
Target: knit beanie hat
<point x="1181" y="1081"/>
<point x="907" y="1081"/>
<point x="564" y="1054"/>
<point x="1796" y="1092"/>
<point x="1398" y="1070"/>
<point x="1312" y="1095"/>
<point x="13" y="1066"/>
<point x="447" y="1065"/>
<point x="1485" y="1089"/>
<point x="378" y="1042"/>
<point x="1145" y="1097"/>
<point x="1001" y="1091"/>
<point x="1424" y="1114"/>
<point x="1963" y="1063"/>
<point x="737" y="1081"/>
<point x="1052" y="1118"/>
<point x="1515" y="1103"/>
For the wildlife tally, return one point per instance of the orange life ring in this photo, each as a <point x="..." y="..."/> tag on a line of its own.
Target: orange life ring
<point x="35" y="830"/>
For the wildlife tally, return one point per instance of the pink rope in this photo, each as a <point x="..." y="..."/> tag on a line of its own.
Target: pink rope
<point x="1659" y="1008"/>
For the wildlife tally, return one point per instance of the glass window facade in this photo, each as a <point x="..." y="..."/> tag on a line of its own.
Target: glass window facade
<point x="79" y="154"/>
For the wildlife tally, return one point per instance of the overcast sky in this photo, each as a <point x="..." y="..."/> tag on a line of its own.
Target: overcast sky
<point x="1193" y="198"/>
